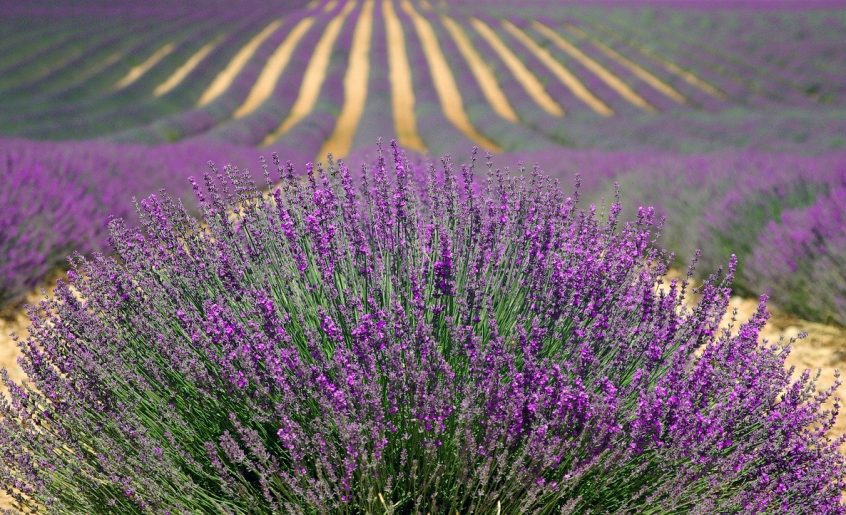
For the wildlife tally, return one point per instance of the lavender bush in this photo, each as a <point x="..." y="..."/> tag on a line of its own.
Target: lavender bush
<point x="410" y="341"/>
<point x="33" y="239"/>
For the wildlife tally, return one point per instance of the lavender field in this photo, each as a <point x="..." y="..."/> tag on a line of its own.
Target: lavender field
<point x="478" y="303"/>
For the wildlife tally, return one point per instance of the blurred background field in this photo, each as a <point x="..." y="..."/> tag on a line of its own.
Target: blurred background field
<point x="729" y="117"/>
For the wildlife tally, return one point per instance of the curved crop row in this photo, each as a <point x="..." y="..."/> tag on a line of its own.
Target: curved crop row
<point x="572" y="62"/>
<point x="780" y="214"/>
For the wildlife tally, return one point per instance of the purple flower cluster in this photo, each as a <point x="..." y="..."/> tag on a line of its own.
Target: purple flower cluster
<point x="53" y="220"/>
<point x="427" y="338"/>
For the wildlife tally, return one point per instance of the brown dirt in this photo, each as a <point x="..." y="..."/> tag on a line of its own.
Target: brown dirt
<point x="668" y="65"/>
<point x="183" y="71"/>
<point x="823" y="349"/>
<point x="614" y="82"/>
<point x="355" y="87"/>
<point x="641" y="72"/>
<point x="138" y="71"/>
<point x="226" y="77"/>
<point x="273" y="69"/>
<point x="568" y="78"/>
<point x="12" y="322"/>
<point x="449" y="94"/>
<point x="399" y="75"/>
<point x="481" y="70"/>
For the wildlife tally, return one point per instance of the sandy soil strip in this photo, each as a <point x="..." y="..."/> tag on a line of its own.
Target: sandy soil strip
<point x="597" y="69"/>
<point x="526" y="78"/>
<point x="688" y="77"/>
<point x="425" y="5"/>
<point x="355" y="87"/>
<point x="671" y="67"/>
<point x="402" y="88"/>
<point x="448" y="92"/>
<point x="138" y="71"/>
<point x="314" y="75"/>
<point x="823" y="349"/>
<point x="559" y="70"/>
<point x="273" y="69"/>
<point x="330" y="5"/>
<point x="483" y="73"/>
<point x="112" y="59"/>
<point x="225" y="78"/>
<point x="632" y="66"/>
<point x="179" y="75"/>
<point x="16" y="323"/>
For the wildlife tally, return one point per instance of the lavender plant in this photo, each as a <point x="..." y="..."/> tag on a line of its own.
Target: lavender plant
<point x="415" y="340"/>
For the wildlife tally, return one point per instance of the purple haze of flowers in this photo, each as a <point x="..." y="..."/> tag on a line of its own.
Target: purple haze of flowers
<point x="56" y="196"/>
<point x="52" y="221"/>
<point x="424" y="343"/>
<point x="800" y="257"/>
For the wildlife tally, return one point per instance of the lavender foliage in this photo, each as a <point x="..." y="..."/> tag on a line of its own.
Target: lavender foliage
<point x="415" y="340"/>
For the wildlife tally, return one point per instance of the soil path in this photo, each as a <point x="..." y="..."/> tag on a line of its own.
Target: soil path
<point x="273" y="69"/>
<point x="480" y="69"/>
<point x="561" y="72"/>
<point x="138" y="71"/>
<point x="183" y="71"/>
<point x="614" y="82"/>
<point x="402" y="88"/>
<point x="448" y="92"/>
<point x="355" y="87"/>
<point x="314" y="75"/>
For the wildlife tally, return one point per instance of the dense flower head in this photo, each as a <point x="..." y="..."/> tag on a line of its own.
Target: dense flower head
<point x="412" y="338"/>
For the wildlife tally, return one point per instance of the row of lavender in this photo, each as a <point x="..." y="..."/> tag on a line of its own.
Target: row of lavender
<point x="56" y="197"/>
<point x="783" y="215"/>
<point x="791" y="54"/>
